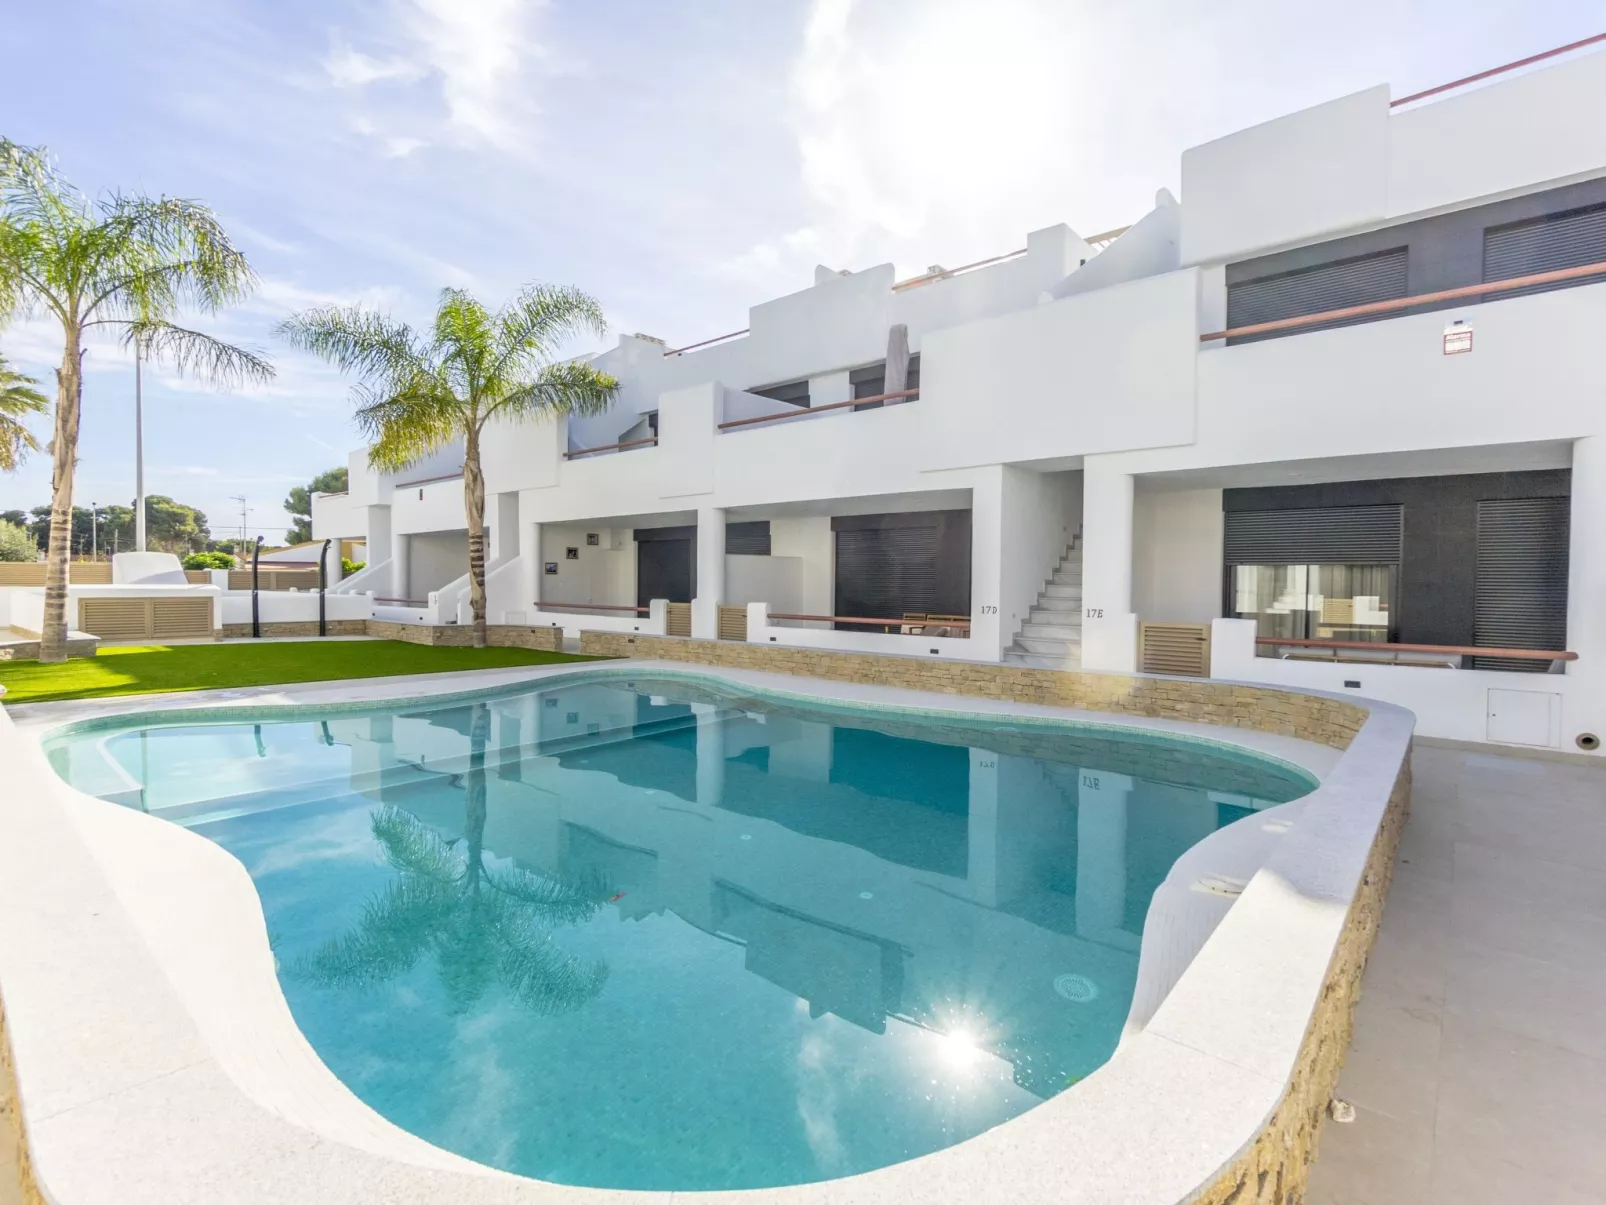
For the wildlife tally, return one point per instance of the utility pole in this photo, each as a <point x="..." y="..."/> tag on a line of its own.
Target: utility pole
<point x="244" y="511"/>
<point x="94" y="527"/>
<point x="139" y="453"/>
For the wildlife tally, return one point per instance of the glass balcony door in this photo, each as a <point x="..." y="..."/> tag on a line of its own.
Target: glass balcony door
<point x="1316" y="602"/>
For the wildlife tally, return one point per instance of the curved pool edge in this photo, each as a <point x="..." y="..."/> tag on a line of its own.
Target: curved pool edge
<point x="1222" y="1049"/>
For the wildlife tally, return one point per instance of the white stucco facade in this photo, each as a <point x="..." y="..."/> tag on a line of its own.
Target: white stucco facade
<point x="1068" y="403"/>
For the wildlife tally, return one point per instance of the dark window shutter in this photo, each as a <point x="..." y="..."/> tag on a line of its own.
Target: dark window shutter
<point x="1336" y="535"/>
<point x="748" y="539"/>
<point x="1367" y="278"/>
<point x="886" y="571"/>
<point x="1547" y="244"/>
<point x="795" y="393"/>
<point x="1522" y="578"/>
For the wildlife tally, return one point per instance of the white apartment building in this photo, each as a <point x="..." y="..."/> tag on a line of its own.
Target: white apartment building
<point x="1128" y="452"/>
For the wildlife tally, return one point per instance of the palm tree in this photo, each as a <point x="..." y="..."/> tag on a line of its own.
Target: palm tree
<point x="18" y="398"/>
<point x="420" y="392"/>
<point x="482" y="923"/>
<point x="125" y="265"/>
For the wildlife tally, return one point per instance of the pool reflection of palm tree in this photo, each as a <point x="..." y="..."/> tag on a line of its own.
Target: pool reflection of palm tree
<point x="483" y="924"/>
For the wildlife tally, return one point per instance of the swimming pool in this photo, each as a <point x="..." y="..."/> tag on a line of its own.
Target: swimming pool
<point x="656" y="934"/>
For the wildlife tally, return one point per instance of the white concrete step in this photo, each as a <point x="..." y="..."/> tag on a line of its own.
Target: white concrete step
<point x="1048" y="647"/>
<point x="1038" y="661"/>
<point x="1071" y="615"/>
<point x="1066" y="577"/>
<point x="1053" y="591"/>
<point x="1051" y="631"/>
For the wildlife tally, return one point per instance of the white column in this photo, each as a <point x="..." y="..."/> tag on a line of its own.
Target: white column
<point x="332" y="568"/>
<point x="401" y="564"/>
<point x="1584" y="707"/>
<point x="1109" y="628"/>
<point x="710" y="754"/>
<point x="529" y="567"/>
<point x="1101" y="855"/>
<point x="710" y="573"/>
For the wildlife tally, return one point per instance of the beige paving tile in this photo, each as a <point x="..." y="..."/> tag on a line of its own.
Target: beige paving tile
<point x="1537" y="882"/>
<point x="1428" y="852"/>
<point x="1393" y="1062"/>
<point x="1411" y="958"/>
<point x="1524" y="1102"/>
<point x="1570" y="831"/>
<point x="1374" y="1160"/>
<point x="1482" y="919"/>
<point x="1561" y="1004"/>
<point x="1472" y="1177"/>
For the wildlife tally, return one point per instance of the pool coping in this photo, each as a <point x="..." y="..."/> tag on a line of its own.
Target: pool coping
<point x="110" y="917"/>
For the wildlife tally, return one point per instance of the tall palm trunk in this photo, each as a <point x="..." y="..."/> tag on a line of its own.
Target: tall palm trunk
<point x="474" y="506"/>
<point x="69" y="399"/>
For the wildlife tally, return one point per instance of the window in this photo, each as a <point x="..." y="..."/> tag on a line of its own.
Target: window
<point x="1545" y="244"/>
<point x="871" y="381"/>
<point x="1380" y="276"/>
<point x="1316" y="602"/>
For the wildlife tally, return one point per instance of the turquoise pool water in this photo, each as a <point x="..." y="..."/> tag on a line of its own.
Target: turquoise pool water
<point x="661" y="936"/>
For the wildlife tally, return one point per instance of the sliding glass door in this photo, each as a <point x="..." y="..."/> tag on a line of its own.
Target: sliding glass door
<point x="1316" y="602"/>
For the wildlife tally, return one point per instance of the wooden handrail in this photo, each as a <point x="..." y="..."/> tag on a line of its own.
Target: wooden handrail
<point x="801" y="411"/>
<point x="1406" y="303"/>
<point x="1501" y="70"/>
<point x="928" y="277"/>
<point x="557" y="606"/>
<point x="1460" y="650"/>
<point x="618" y="447"/>
<point x="675" y="351"/>
<point x="890" y="621"/>
<point x="407" y="485"/>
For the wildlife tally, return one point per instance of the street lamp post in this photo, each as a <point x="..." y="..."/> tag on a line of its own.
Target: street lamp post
<point x="139" y="454"/>
<point x="94" y="527"/>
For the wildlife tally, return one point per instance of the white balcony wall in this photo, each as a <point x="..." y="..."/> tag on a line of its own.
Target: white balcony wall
<point x="338" y="517"/>
<point x="1354" y="163"/>
<point x="523" y="455"/>
<point x="433" y="506"/>
<point x="1094" y="373"/>
<point x="761" y="630"/>
<point x="287" y="606"/>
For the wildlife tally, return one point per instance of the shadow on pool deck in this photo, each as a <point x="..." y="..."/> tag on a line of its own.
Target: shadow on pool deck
<point x="1478" y="1066"/>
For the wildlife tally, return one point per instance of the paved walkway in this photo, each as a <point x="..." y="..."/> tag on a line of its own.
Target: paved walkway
<point x="1478" y="1069"/>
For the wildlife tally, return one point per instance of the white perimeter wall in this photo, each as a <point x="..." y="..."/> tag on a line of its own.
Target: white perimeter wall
<point x="1176" y="554"/>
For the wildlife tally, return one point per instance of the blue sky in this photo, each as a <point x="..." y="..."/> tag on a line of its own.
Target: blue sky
<point x="680" y="159"/>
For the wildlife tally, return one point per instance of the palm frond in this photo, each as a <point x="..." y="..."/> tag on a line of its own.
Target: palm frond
<point x="359" y="341"/>
<point x="190" y="352"/>
<point x="155" y="255"/>
<point x="18" y="399"/>
<point x="396" y="929"/>
<point x="552" y="900"/>
<point x="413" y="848"/>
<point x="532" y="327"/>
<point x="543" y="977"/>
<point x="571" y="387"/>
<point x="405" y="425"/>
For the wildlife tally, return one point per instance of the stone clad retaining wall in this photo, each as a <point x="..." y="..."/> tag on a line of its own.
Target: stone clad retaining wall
<point x="1260" y="709"/>
<point x="1274" y="1167"/>
<point x="455" y="635"/>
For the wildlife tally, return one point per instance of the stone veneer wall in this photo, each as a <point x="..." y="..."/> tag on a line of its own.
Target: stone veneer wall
<point x="298" y="627"/>
<point x="461" y="635"/>
<point x="16" y="1176"/>
<point x="1329" y="722"/>
<point x="1275" y="1168"/>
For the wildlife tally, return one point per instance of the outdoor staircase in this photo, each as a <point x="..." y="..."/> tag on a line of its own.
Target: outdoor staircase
<point x="1051" y="637"/>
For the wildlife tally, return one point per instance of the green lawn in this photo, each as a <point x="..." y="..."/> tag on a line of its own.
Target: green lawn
<point x="152" y="669"/>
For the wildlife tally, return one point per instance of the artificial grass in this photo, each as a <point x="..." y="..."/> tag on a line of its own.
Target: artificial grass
<point x="164" y="669"/>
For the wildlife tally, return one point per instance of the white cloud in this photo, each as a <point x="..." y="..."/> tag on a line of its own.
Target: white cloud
<point x="348" y="68"/>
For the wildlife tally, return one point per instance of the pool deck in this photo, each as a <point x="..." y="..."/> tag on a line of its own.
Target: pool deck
<point x="1478" y="1067"/>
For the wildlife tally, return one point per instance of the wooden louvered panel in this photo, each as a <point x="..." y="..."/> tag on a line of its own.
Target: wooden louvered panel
<point x="1182" y="649"/>
<point x="115" y="618"/>
<point x="678" y="622"/>
<point x="178" y="618"/>
<point x="32" y="573"/>
<point x="274" y="579"/>
<point x="733" y="623"/>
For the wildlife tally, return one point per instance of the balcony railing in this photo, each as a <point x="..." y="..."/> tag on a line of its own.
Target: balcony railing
<point x="543" y="605"/>
<point x="1397" y="304"/>
<point x="1395" y="651"/>
<point x="907" y="625"/>
<point x="901" y="395"/>
<point x="676" y="351"/>
<point x="1500" y="70"/>
<point x="649" y="442"/>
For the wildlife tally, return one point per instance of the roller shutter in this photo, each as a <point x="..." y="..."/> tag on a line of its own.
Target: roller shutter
<point x="1522" y="578"/>
<point x="1547" y="244"/>
<point x="1380" y="276"/>
<point x="1335" y="535"/>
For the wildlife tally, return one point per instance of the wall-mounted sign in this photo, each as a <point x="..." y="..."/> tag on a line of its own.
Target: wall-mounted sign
<point x="552" y="568"/>
<point x="572" y="554"/>
<point x="1457" y="338"/>
<point x="592" y="539"/>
